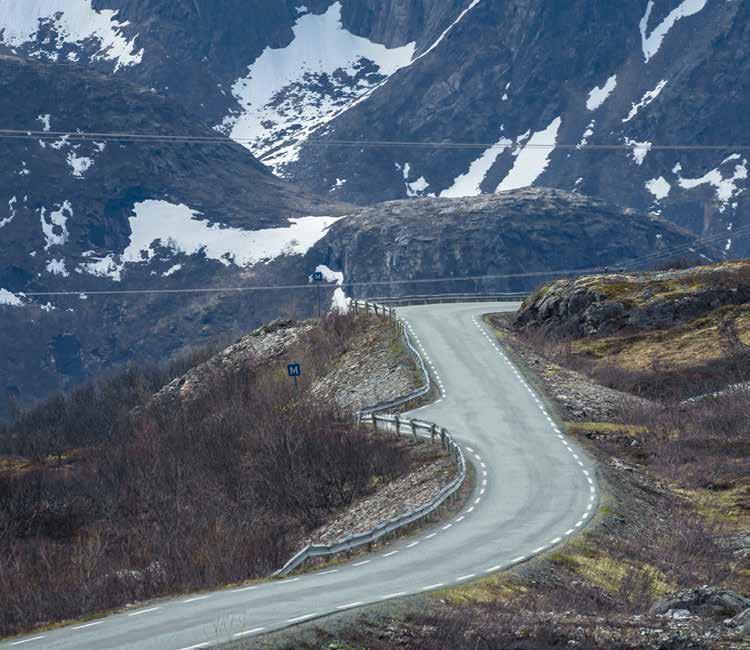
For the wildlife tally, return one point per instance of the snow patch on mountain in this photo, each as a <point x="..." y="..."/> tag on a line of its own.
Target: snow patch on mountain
<point x="727" y="187"/>
<point x="468" y="184"/>
<point x="533" y="159"/>
<point x="339" y="301"/>
<point x="416" y="187"/>
<point x="54" y="224"/>
<point x="51" y="25"/>
<point x="57" y="267"/>
<point x="651" y="43"/>
<point x="448" y="30"/>
<point x="638" y="150"/>
<point x="659" y="187"/>
<point x="11" y="212"/>
<point x="180" y="229"/>
<point x="647" y="98"/>
<point x="79" y="164"/>
<point x="290" y="92"/>
<point x="598" y="95"/>
<point x="586" y="135"/>
<point x="9" y="299"/>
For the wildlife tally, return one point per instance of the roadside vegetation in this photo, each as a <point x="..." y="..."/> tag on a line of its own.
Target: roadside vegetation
<point x="658" y="394"/>
<point x="109" y="497"/>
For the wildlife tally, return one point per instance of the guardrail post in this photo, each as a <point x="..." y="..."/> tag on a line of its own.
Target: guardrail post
<point x="442" y="437"/>
<point x="398" y="423"/>
<point x="414" y="430"/>
<point x="367" y="308"/>
<point x="433" y="430"/>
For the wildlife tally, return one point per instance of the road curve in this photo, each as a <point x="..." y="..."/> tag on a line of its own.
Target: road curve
<point x="534" y="488"/>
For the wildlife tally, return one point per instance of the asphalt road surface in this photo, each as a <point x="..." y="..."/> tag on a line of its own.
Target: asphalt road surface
<point x="534" y="489"/>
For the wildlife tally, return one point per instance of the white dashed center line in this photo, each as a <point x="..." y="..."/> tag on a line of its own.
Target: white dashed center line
<point x="36" y="638"/>
<point x="192" y="600"/>
<point x="85" y="625"/>
<point x="297" y="619"/>
<point x="144" y="611"/>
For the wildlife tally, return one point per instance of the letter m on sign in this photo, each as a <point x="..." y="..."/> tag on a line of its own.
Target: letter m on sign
<point x="294" y="370"/>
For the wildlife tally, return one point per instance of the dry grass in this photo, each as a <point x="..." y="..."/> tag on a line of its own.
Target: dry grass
<point x="685" y="346"/>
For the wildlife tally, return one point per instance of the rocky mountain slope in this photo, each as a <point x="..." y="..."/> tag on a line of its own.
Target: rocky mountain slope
<point x="85" y="215"/>
<point x="279" y="78"/>
<point x="508" y="76"/>
<point x="543" y="231"/>
<point x="691" y="325"/>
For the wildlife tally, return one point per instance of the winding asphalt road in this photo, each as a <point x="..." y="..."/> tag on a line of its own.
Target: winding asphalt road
<point x="534" y="488"/>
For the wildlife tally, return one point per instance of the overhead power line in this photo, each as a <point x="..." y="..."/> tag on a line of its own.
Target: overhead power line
<point x="158" y="138"/>
<point x="628" y="264"/>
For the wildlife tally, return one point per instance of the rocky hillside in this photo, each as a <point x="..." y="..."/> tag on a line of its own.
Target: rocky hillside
<point x="505" y="75"/>
<point x="537" y="230"/>
<point x="89" y="215"/>
<point x="695" y="322"/>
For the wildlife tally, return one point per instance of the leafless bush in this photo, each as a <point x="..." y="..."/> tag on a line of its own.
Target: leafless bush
<point x="211" y="491"/>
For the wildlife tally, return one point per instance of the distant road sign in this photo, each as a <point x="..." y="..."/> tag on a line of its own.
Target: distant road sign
<point x="317" y="276"/>
<point x="294" y="370"/>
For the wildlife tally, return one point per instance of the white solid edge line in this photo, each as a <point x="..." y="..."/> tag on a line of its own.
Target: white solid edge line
<point x="236" y="591"/>
<point x="255" y="630"/>
<point x="288" y="580"/>
<point x="492" y="569"/>
<point x="144" y="611"/>
<point x="195" y="598"/>
<point x="325" y="573"/>
<point x="540" y="549"/>
<point x="205" y="644"/>
<point x="519" y="559"/>
<point x="396" y="595"/>
<point x="466" y="577"/>
<point x="435" y="586"/>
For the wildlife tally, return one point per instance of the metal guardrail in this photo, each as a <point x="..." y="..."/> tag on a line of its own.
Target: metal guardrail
<point x="427" y="299"/>
<point x="391" y="423"/>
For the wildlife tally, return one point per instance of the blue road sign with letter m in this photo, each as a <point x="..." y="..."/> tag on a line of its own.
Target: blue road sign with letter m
<point x="317" y="276"/>
<point x="294" y="370"/>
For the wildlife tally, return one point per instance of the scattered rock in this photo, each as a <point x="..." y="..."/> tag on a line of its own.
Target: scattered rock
<point x="704" y="601"/>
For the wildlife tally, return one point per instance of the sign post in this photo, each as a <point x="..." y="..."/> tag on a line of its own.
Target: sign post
<point x="318" y="278"/>
<point x="294" y="370"/>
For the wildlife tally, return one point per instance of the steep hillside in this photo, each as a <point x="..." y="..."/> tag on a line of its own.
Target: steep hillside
<point x="527" y="82"/>
<point x="201" y="487"/>
<point x="508" y="234"/>
<point x="694" y="322"/>
<point x="90" y="215"/>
